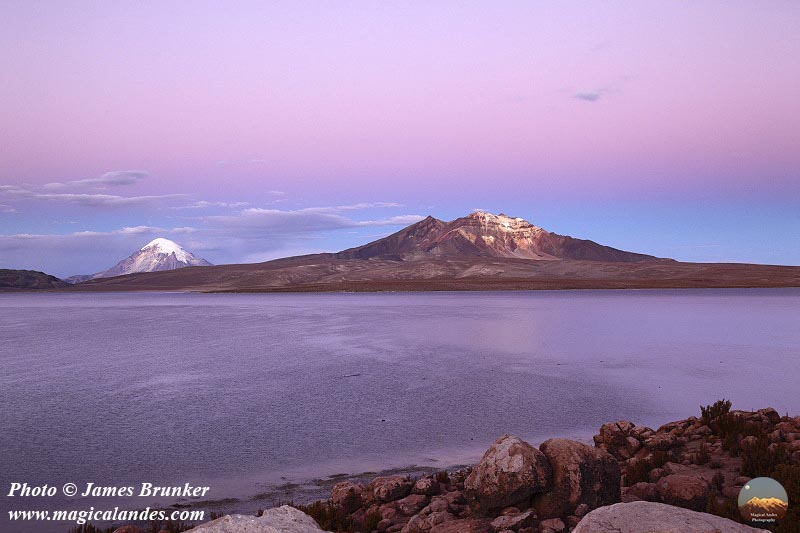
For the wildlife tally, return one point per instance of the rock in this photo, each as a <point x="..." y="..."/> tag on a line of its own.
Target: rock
<point x="581" y="510"/>
<point x="741" y="481"/>
<point x="422" y="523"/>
<point x="770" y="414"/>
<point x="510" y="511"/>
<point x="514" y="522"/>
<point x="388" y="511"/>
<point x="632" y="445"/>
<point x="650" y="517"/>
<point x="684" y="491"/>
<point x="411" y="505"/>
<point x="128" y="529"/>
<point x="644" y="491"/>
<point x="656" y="474"/>
<point x="426" y="486"/>
<point x="581" y="474"/>
<point x="660" y="442"/>
<point x="747" y="442"/>
<point x="391" y="488"/>
<point x="437" y="504"/>
<point x="703" y="431"/>
<point x="283" y="519"/>
<point x="553" y="524"/>
<point x="510" y="472"/>
<point x="347" y="495"/>
<point x="468" y="525"/>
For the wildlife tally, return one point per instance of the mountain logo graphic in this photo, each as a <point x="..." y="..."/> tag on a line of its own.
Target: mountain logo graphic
<point x="763" y="501"/>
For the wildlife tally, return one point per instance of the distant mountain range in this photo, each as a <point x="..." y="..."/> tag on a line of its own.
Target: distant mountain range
<point x="156" y="256"/>
<point x="480" y="251"/>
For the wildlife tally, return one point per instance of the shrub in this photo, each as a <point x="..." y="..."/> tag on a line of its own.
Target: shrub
<point x="718" y="480"/>
<point x="789" y="477"/>
<point x="639" y="470"/>
<point x="759" y="459"/>
<point x="371" y="520"/>
<point x="702" y="455"/>
<point x="714" y="411"/>
<point x="328" y="516"/>
<point x="728" y="508"/>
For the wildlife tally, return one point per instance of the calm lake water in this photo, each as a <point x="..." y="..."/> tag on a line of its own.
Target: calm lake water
<point x="245" y="392"/>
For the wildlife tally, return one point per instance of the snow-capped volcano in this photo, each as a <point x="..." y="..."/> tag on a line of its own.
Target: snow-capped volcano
<point x="157" y="255"/>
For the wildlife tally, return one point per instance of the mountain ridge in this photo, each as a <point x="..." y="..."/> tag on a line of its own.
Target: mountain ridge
<point x="483" y="234"/>
<point x="433" y="255"/>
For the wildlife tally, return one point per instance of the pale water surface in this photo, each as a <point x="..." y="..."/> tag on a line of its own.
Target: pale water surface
<point x="240" y="392"/>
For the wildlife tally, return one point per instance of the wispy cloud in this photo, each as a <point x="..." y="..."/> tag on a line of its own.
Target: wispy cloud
<point x="15" y="193"/>
<point x="589" y="96"/>
<point x="7" y="209"/>
<point x="276" y="221"/>
<point x="203" y="204"/>
<point x="109" y="179"/>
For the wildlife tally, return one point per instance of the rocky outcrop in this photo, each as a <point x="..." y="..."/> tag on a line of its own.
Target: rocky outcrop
<point x="282" y="519"/>
<point x="581" y="475"/>
<point x="510" y="472"/>
<point x="649" y="517"/>
<point x="684" y="491"/>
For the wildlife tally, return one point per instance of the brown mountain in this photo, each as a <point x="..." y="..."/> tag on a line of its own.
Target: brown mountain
<point x="764" y="508"/>
<point x="28" y="280"/>
<point x="478" y="252"/>
<point x="482" y="234"/>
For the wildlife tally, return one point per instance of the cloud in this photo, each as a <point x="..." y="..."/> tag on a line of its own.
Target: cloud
<point x="589" y="96"/>
<point x="270" y="222"/>
<point x="7" y="209"/>
<point x="109" y="179"/>
<point x="202" y="204"/>
<point x="86" y="199"/>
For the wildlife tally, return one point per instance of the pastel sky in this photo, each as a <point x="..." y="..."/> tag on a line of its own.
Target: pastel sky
<point x="252" y="130"/>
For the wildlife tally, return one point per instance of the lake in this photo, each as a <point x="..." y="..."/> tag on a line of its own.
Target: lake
<point x="246" y="392"/>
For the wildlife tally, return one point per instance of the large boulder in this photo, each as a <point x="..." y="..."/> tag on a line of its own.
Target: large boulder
<point x="684" y="491"/>
<point x="347" y="495"/>
<point x="581" y="474"/>
<point x="650" y="517"/>
<point x="391" y="488"/>
<point x="510" y="472"/>
<point x="282" y="519"/>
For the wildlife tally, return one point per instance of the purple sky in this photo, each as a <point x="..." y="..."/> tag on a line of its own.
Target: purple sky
<point x="252" y="130"/>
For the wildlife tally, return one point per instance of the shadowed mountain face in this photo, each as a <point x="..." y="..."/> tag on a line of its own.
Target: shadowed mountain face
<point x="483" y="234"/>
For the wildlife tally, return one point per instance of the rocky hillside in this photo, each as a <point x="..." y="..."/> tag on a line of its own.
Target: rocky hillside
<point x="28" y="280"/>
<point x="483" y="234"/>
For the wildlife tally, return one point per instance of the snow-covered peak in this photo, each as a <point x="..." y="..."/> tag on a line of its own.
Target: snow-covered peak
<point x="167" y="247"/>
<point x="503" y="221"/>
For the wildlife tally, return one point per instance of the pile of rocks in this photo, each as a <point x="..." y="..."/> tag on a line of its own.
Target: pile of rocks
<point x="518" y="488"/>
<point x="684" y="463"/>
<point x="514" y="487"/>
